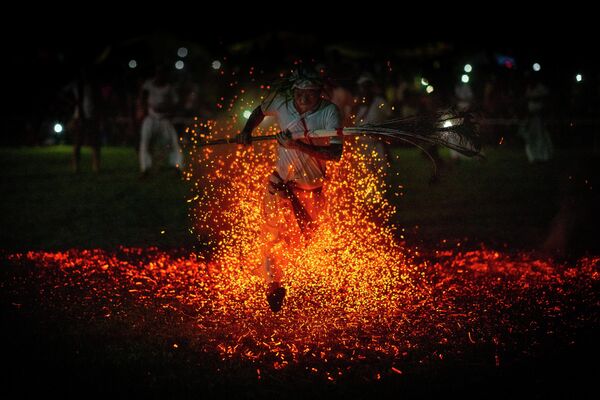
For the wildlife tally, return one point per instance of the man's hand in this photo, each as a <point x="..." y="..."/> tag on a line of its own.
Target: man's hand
<point x="244" y="138"/>
<point x="277" y="186"/>
<point x="285" y="139"/>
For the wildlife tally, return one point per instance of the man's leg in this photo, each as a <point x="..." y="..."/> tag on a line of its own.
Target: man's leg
<point x="93" y="132"/>
<point x="75" y="125"/>
<point x="279" y="222"/>
<point x="175" y="156"/>
<point x="146" y="134"/>
<point x="271" y="235"/>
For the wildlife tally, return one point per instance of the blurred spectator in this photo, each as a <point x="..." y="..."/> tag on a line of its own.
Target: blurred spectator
<point x="343" y="99"/>
<point x="491" y="97"/>
<point x="463" y="102"/>
<point x="410" y="105"/>
<point x="372" y="108"/>
<point x="159" y="99"/>
<point x="538" y="144"/>
<point x="396" y="93"/>
<point x="464" y="96"/>
<point x="189" y="105"/>
<point x="85" y="121"/>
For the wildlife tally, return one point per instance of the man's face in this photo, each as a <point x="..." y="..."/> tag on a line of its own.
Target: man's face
<point x="306" y="99"/>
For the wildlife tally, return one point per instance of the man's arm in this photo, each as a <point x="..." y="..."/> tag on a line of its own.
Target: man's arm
<point x="245" y="136"/>
<point x="332" y="152"/>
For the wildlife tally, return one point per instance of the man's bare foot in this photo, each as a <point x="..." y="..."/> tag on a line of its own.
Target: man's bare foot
<point x="275" y="295"/>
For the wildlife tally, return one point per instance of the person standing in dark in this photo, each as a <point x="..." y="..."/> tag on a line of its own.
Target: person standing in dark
<point x="159" y="98"/>
<point x="538" y="142"/>
<point x="372" y="108"/>
<point x="85" y="123"/>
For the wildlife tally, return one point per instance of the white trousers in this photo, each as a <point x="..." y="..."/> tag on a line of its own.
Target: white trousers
<point x="164" y="130"/>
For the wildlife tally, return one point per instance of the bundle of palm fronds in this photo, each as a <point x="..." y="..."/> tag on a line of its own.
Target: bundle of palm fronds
<point x="455" y="130"/>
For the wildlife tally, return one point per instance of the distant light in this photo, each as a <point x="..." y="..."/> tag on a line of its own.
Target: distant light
<point x="179" y="64"/>
<point x="429" y="89"/>
<point x="447" y="124"/>
<point x="247" y="114"/>
<point x="578" y="77"/>
<point x="132" y="64"/>
<point x="424" y="82"/>
<point x="216" y="64"/>
<point x="468" y="68"/>
<point x="58" y="128"/>
<point x="465" y="78"/>
<point x="536" y="67"/>
<point x="182" y="52"/>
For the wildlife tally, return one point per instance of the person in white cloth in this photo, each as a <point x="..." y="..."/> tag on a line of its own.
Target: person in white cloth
<point x="160" y="98"/>
<point x="372" y="108"/>
<point x="297" y="181"/>
<point x="538" y="142"/>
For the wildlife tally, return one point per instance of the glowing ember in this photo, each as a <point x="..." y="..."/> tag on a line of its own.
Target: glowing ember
<point x="502" y="303"/>
<point x="353" y="264"/>
<point x="357" y="299"/>
<point x="359" y="304"/>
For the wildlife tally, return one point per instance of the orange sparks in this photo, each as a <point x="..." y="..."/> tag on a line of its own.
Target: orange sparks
<point x="324" y="325"/>
<point x="354" y="293"/>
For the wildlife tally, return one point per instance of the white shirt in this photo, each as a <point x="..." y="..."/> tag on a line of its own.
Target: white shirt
<point x="464" y="96"/>
<point x="536" y="96"/>
<point x="291" y="164"/>
<point x="375" y="112"/>
<point x="159" y="97"/>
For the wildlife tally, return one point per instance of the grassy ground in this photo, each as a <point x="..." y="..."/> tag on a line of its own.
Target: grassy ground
<point x="489" y="200"/>
<point x="52" y="343"/>
<point x="502" y="200"/>
<point x="46" y="206"/>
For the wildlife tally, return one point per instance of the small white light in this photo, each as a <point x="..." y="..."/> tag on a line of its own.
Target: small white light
<point x="447" y="124"/>
<point x="216" y="64"/>
<point x="429" y="89"/>
<point x="465" y="78"/>
<point x="578" y="77"/>
<point x="182" y="52"/>
<point x="424" y="82"/>
<point x="58" y="128"/>
<point x="468" y="68"/>
<point x="247" y="114"/>
<point x="179" y="64"/>
<point x="132" y="64"/>
<point x="536" y="67"/>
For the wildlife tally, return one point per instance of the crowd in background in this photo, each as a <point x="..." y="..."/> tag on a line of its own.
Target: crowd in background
<point x="513" y="97"/>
